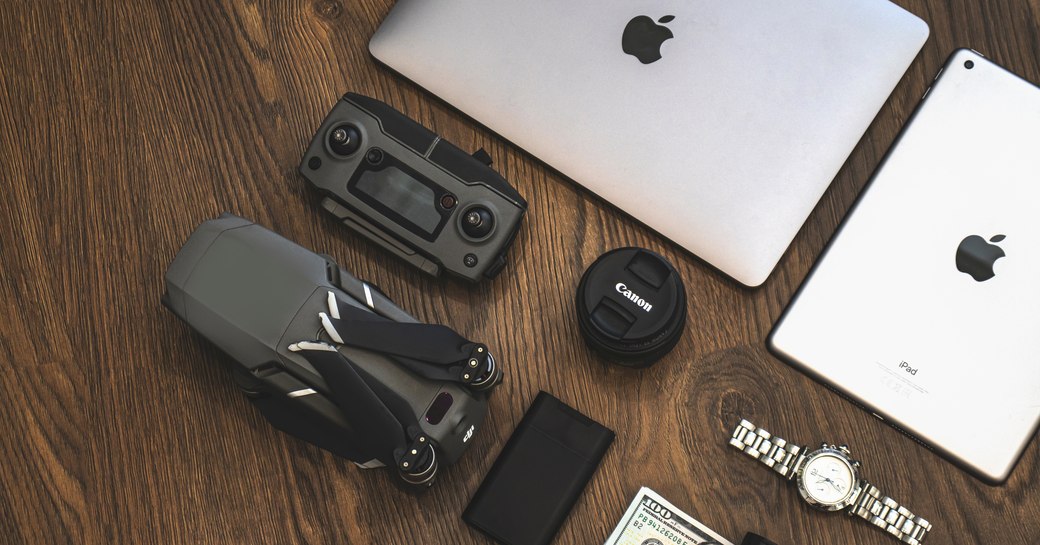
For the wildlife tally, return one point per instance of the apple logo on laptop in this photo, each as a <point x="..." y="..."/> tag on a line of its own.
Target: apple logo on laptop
<point x="976" y="257"/>
<point x="643" y="38"/>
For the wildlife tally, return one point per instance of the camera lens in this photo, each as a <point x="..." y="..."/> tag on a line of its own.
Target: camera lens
<point x="490" y="376"/>
<point x="477" y="222"/>
<point x="631" y="306"/>
<point x="344" y="139"/>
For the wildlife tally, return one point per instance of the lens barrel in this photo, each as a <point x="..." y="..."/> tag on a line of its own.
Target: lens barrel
<point x="631" y="306"/>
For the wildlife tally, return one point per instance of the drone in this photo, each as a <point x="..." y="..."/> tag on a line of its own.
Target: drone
<point x="327" y="357"/>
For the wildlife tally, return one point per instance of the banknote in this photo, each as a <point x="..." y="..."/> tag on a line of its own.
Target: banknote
<point x="652" y="520"/>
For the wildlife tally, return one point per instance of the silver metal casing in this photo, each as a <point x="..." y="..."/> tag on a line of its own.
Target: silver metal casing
<point x="888" y="319"/>
<point x="724" y="145"/>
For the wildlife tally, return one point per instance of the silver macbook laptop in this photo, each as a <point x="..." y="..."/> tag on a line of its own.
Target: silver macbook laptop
<point x="717" y="123"/>
<point x="926" y="306"/>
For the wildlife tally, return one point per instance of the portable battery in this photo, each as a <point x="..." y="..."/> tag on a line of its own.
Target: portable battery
<point x="539" y="475"/>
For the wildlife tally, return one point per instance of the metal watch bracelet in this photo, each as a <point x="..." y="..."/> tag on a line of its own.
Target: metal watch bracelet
<point x="885" y="513"/>
<point x="774" y="452"/>
<point x="870" y="504"/>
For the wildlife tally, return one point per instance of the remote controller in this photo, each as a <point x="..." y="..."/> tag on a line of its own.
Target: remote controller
<point x="412" y="192"/>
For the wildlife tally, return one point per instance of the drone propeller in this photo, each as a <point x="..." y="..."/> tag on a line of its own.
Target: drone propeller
<point x="400" y="445"/>
<point x="431" y="350"/>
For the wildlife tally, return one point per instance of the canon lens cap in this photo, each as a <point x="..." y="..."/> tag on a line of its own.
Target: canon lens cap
<point x="631" y="306"/>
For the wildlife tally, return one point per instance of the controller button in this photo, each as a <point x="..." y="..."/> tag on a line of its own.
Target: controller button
<point x="314" y="163"/>
<point x="470" y="260"/>
<point x="483" y="156"/>
<point x="374" y="156"/>
<point x="448" y="201"/>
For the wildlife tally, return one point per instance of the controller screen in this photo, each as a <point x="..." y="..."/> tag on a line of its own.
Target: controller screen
<point x="408" y="197"/>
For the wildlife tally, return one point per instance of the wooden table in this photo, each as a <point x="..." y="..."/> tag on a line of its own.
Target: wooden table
<point x="124" y="125"/>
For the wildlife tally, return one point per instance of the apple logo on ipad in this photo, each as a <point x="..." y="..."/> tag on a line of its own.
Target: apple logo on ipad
<point x="643" y="37"/>
<point x="976" y="256"/>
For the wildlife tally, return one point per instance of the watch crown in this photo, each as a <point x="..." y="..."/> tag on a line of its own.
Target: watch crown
<point x="856" y="464"/>
<point x="844" y="448"/>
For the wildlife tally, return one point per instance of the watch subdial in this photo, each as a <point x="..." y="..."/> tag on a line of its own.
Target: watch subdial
<point x="827" y="479"/>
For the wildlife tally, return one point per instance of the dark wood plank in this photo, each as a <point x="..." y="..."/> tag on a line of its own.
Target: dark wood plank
<point x="124" y="125"/>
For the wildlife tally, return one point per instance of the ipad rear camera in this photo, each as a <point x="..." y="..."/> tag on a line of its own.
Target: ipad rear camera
<point x="969" y="64"/>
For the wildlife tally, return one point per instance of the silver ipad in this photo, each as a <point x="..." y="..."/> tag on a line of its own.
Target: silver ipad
<point x="925" y="308"/>
<point x="717" y="123"/>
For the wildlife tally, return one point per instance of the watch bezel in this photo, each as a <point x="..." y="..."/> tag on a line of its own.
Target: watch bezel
<point x="842" y="455"/>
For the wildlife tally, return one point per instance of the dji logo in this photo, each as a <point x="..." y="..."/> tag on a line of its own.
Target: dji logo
<point x="469" y="434"/>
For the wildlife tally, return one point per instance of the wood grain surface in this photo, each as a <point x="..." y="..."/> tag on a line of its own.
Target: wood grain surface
<point x="123" y="125"/>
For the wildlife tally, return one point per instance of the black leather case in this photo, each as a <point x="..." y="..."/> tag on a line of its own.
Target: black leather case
<point x="539" y="474"/>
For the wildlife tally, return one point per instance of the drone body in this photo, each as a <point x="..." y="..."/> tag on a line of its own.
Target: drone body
<point x="305" y="337"/>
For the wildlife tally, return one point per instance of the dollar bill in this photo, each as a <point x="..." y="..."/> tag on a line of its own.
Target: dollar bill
<point x="652" y="520"/>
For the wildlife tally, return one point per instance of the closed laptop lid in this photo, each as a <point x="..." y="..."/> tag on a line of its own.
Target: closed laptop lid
<point x="723" y="143"/>
<point x="926" y="306"/>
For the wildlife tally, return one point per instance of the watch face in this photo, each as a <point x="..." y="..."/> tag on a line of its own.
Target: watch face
<point x="828" y="478"/>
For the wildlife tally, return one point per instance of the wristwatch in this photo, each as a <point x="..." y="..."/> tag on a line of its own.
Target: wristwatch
<point x="828" y="479"/>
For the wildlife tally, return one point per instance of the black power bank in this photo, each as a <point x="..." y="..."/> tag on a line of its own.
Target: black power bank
<point x="539" y="475"/>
